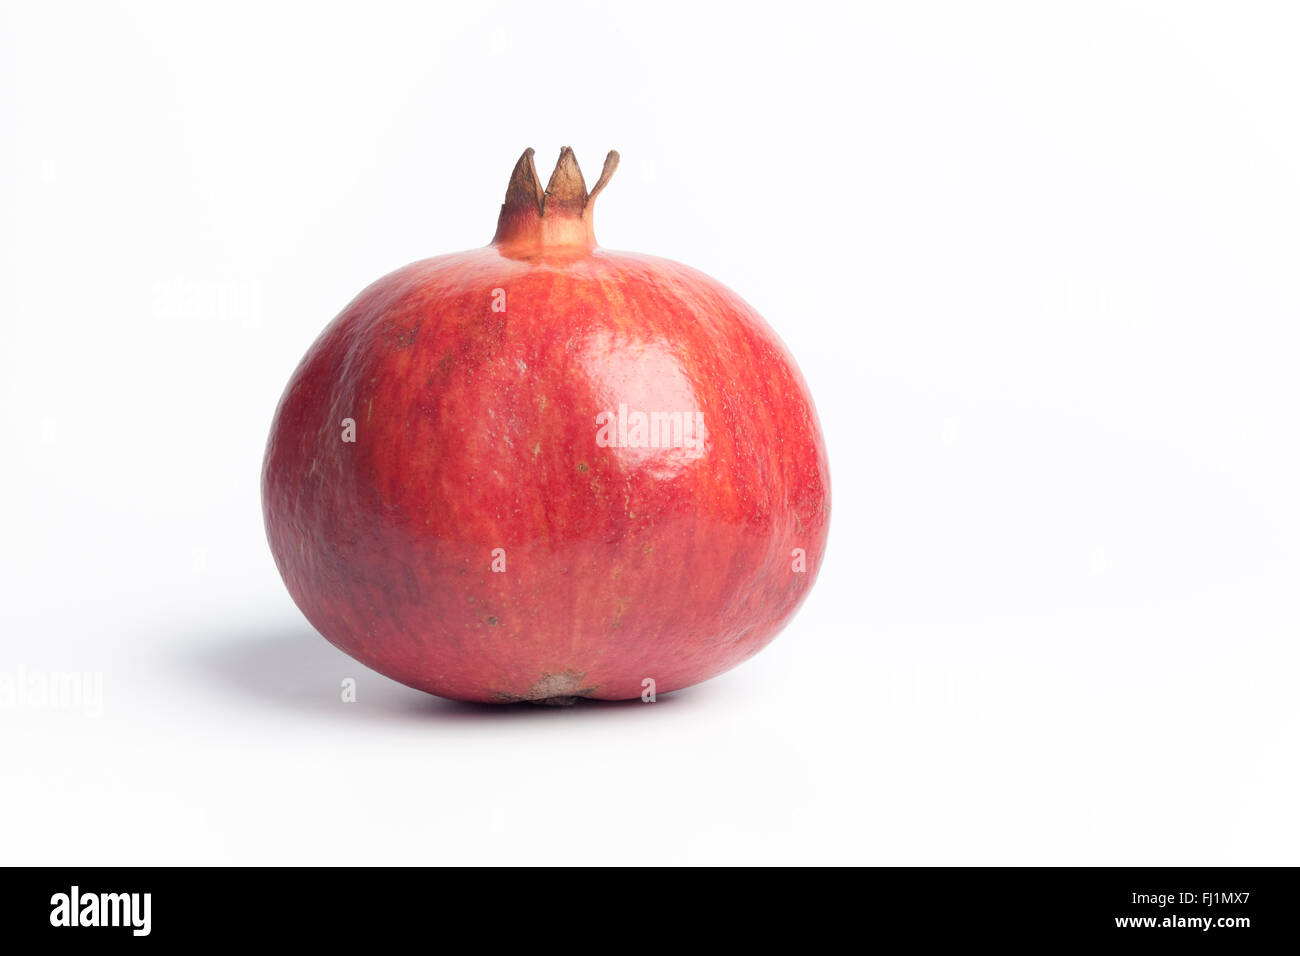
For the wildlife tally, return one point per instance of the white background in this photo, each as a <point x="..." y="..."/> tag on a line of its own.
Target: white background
<point x="1037" y="262"/>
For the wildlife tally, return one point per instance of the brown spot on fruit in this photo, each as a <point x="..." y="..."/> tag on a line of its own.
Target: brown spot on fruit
<point x="552" y="690"/>
<point x="405" y="338"/>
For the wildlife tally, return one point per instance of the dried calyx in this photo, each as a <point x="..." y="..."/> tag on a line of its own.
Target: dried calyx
<point x="560" y="215"/>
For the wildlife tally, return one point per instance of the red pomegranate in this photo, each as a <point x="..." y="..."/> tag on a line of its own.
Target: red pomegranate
<point x="540" y="471"/>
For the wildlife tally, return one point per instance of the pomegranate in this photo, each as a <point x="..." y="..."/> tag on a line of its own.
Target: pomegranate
<point x="541" y="471"/>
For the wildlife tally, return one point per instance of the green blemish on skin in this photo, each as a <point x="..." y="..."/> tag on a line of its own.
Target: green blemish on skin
<point x="492" y="620"/>
<point x="582" y="466"/>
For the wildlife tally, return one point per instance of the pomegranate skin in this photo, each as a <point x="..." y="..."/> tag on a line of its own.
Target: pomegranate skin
<point x="476" y="541"/>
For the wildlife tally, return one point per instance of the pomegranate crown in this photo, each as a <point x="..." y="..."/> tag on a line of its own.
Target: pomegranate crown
<point x="559" y="215"/>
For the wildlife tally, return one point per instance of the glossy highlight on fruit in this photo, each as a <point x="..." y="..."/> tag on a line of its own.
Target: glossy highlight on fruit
<point x="541" y="470"/>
